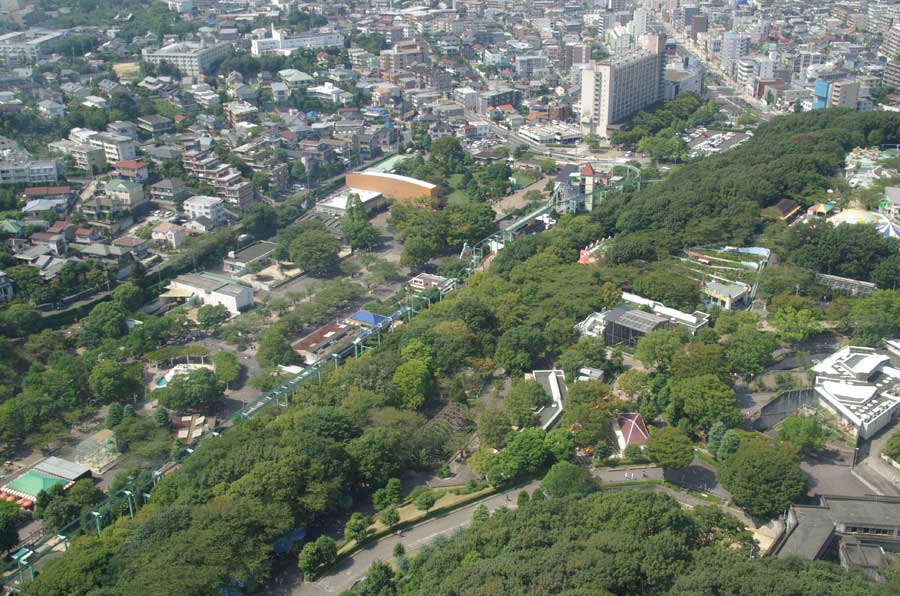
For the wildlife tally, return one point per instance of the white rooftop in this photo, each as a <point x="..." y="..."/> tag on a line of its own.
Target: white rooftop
<point x="203" y="201"/>
<point x="869" y="363"/>
<point x="339" y="201"/>
<point x="858" y="382"/>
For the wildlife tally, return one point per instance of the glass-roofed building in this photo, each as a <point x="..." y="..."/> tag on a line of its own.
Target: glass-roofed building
<point x="621" y="325"/>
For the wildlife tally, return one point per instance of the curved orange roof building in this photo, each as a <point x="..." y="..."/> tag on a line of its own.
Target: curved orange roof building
<point x="391" y="185"/>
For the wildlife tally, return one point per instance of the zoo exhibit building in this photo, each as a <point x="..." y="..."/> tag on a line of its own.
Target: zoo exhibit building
<point x="391" y="185"/>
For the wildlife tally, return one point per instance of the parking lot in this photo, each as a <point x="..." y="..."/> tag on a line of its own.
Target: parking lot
<point x="707" y="142"/>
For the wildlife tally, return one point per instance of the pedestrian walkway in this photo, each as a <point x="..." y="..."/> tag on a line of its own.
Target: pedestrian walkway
<point x="631" y="474"/>
<point x="875" y="471"/>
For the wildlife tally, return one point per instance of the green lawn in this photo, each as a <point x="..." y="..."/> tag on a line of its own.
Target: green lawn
<point x="456" y="197"/>
<point x="454" y="180"/>
<point x="524" y="178"/>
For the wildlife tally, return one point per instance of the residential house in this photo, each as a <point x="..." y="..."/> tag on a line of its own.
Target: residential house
<point x="49" y="192"/>
<point x="630" y="429"/>
<point x="37" y="206"/>
<point x="74" y="91"/>
<point x="128" y="193"/>
<point x="96" y="102"/>
<point x="168" y="234"/>
<point x="201" y="225"/>
<point x="130" y="169"/>
<point x="110" y="88"/>
<point x="56" y="243"/>
<point x="11" y="227"/>
<point x="294" y="78"/>
<point x="202" y="289"/>
<point x="169" y="190"/>
<point x="63" y="227"/>
<point x="51" y="109"/>
<point x="86" y="235"/>
<point x="212" y="208"/>
<point x="154" y="124"/>
<point x="124" y="128"/>
<point x="257" y="253"/>
<point x="116" y="257"/>
<point x="280" y="92"/>
<point x="136" y="246"/>
<point x="107" y="213"/>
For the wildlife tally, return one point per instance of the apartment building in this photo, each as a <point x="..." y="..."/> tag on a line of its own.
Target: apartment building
<point x="116" y="147"/>
<point x="19" y="48"/>
<point x="212" y="208"/>
<point x="227" y="180"/>
<point x="499" y="97"/>
<point x="890" y="45"/>
<point x="282" y="45"/>
<point x="190" y="58"/>
<point x="29" y="171"/>
<point x="400" y="58"/>
<point x="734" y="47"/>
<point x="574" y="53"/>
<point x="85" y="156"/>
<point x="240" y="111"/>
<point x="842" y="93"/>
<point x="614" y="90"/>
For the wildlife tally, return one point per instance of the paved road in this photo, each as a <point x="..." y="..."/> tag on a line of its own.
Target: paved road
<point x="513" y="139"/>
<point x="699" y="476"/>
<point x="353" y="568"/>
<point x="875" y="471"/>
<point x="613" y="475"/>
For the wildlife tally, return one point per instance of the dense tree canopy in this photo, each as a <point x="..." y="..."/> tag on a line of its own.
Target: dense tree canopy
<point x="315" y="251"/>
<point x="670" y="448"/>
<point x="763" y="476"/>
<point x="847" y="250"/>
<point x="623" y="543"/>
<point x="199" y="390"/>
<point x="719" y="198"/>
<point x="210" y="526"/>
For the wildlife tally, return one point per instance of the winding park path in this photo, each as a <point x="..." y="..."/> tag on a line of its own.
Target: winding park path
<point x="343" y="575"/>
<point x="349" y="571"/>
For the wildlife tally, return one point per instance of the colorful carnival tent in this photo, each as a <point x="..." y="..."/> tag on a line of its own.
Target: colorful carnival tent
<point x="858" y="216"/>
<point x="889" y="230"/>
<point x="821" y="209"/>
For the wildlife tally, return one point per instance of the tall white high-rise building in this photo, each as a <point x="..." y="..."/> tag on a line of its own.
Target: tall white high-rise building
<point x="619" y="87"/>
<point x="734" y="47"/>
<point x="638" y="25"/>
<point x="890" y="45"/>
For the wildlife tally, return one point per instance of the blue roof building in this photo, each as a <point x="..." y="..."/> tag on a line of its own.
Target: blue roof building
<point x="365" y="318"/>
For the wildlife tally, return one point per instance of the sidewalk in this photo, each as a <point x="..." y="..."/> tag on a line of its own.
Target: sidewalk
<point x="875" y="471"/>
<point x="611" y="476"/>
